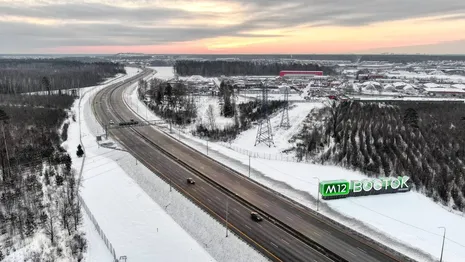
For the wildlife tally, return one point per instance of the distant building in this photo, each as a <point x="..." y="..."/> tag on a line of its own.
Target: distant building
<point x="447" y="92"/>
<point x="300" y="73"/>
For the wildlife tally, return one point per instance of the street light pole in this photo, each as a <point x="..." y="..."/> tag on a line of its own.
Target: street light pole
<point x="249" y="165"/>
<point x="227" y="202"/>
<point x="443" y="240"/>
<point x="317" y="194"/>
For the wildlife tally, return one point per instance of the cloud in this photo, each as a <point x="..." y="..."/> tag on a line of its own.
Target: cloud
<point x="448" y="47"/>
<point x="43" y="24"/>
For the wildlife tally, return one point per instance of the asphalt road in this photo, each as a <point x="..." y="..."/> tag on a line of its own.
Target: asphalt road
<point x="231" y="194"/>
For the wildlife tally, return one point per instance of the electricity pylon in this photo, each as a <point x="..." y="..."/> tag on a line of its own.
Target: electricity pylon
<point x="264" y="133"/>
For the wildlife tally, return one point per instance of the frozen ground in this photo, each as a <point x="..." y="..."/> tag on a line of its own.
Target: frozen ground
<point x="139" y="215"/>
<point x="281" y="135"/>
<point x="413" y="75"/>
<point x="407" y="222"/>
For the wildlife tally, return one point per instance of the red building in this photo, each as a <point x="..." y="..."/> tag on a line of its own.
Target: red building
<point x="300" y="73"/>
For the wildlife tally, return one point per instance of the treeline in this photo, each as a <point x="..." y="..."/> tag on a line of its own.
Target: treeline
<point x="411" y="58"/>
<point x="419" y="140"/>
<point x="174" y="103"/>
<point x="61" y="101"/>
<point x="169" y="101"/>
<point x="160" y="62"/>
<point x="31" y="75"/>
<point x="237" y="68"/>
<point x="38" y="188"/>
<point x="243" y="114"/>
<point x="339" y="57"/>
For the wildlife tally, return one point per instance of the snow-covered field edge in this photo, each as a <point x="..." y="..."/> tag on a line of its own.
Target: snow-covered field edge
<point x="298" y="197"/>
<point x="89" y="216"/>
<point x="205" y="229"/>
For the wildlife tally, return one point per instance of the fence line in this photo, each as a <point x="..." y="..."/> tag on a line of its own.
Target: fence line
<point x="98" y="228"/>
<point x="81" y="200"/>
<point x="261" y="155"/>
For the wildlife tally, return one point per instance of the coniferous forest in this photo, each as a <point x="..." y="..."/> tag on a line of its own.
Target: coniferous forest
<point x="38" y="187"/>
<point x="31" y="75"/>
<point x="242" y="68"/>
<point x="422" y="140"/>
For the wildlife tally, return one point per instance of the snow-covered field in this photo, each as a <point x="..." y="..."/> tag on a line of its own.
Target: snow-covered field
<point x="139" y="215"/>
<point x="413" y="75"/>
<point x="407" y="222"/>
<point x="297" y="114"/>
<point x="272" y="96"/>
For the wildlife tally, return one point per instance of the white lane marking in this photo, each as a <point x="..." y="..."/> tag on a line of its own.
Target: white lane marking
<point x="218" y="198"/>
<point x="209" y="200"/>
<point x="317" y="234"/>
<point x="289" y="218"/>
<point x="259" y="225"/>
<point x="287" y="243"/>
<point x="245" y="193"/>
<point x="326" y="232"/>
<point x="361" y="250"/>
<point x="236" y="210"/>
<point x="265" y="204"/>
<point x="273" y="244"/>
<point x="351" y="253"/>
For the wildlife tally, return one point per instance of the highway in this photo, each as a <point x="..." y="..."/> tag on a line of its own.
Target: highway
<point x="289" y="232"/>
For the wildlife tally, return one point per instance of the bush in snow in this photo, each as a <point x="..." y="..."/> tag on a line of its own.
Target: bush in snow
<point x="79" y="151"/>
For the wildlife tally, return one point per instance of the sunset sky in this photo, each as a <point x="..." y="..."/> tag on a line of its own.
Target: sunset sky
<point x="232" y="26"/>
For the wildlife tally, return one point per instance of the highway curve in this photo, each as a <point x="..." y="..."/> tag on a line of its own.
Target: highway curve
<point x="289" y="232"/>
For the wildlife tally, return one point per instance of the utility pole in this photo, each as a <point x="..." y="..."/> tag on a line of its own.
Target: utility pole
<point x="207" y="146"/>
<point x="317" y="194"/>
<point x="249" y="165"/>
<point x="227" y="203"/>
<point x="106" y="131"/>
<point x="443" y="240"/>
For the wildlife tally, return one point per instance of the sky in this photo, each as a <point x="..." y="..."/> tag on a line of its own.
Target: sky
<point x="232" y="26"/>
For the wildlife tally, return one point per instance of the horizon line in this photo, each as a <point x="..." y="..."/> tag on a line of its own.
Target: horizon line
<point x="237" y="54"/>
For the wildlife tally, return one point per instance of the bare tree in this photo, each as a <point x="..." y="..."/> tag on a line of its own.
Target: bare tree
<point x="50" y="225"/>
<point x="211" y="117"/>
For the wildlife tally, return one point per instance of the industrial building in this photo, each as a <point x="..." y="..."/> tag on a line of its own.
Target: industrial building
<point x="300" y="73"/>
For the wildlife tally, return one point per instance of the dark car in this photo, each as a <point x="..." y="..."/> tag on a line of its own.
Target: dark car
<point x="255" y="216"/>
<point x="190" y="181"/>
